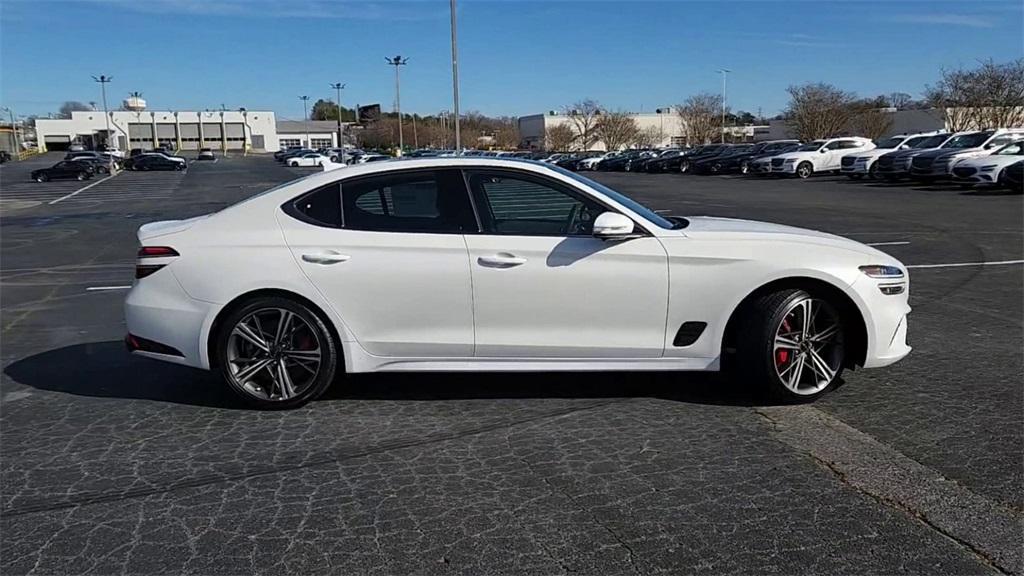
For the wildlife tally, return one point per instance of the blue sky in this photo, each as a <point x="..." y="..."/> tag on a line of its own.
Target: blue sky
<point x="517" y="57"/>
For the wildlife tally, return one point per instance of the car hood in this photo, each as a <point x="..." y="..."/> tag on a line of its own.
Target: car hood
<point x="990" y="159"/>
<point x="874" y="152"/>
<point x="713" y="227"/>
<point x="796" y="155"/>
<point x="943" y="152"/>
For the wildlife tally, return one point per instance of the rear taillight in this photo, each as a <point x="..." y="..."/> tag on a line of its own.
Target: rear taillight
<point x="153" y="258"/>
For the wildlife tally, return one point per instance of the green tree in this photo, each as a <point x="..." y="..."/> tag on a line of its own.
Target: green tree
<point x="327" y="110"/>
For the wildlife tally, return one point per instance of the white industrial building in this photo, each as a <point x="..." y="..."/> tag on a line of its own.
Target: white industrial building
<point x="664" y="123"/>
<point x="309" y="134"/>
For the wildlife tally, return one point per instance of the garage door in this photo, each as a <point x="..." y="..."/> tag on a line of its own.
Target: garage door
<point x="190" y="136"/>
<point x="141" y="135"/>
<point x="166" y="135"/>
<point x="57" y="142"/>
<point x="211" y="135"/>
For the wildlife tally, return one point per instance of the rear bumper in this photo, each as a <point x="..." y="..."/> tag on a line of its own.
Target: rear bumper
<point x="158" y="310"/>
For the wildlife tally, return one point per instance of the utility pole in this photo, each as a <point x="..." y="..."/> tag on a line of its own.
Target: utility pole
<point x="338" y="86"/>
<point x="723" y="72"/>
<point x="103" y="81"/>
<point x="14" y="128"/>
<point x="305" y="118"/>
<point x="396" y="62"/>
<point x="455" y="80"/>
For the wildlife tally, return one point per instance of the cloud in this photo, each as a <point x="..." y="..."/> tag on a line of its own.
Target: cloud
<point x="963" y="20"/>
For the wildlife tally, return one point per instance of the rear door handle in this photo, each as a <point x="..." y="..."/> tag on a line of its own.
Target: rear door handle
<point x="325" y="258"/>
<point x="501" y="260"/>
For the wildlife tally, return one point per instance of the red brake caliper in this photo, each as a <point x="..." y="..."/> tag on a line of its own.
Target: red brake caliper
<point x="782" y="355"/>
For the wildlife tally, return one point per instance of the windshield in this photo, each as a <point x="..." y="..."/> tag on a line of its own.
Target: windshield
<point x="811" y="146"/>
<point x="968" y="140"/>
<point x="626" y="201"/>
<point x="890" y="143"/>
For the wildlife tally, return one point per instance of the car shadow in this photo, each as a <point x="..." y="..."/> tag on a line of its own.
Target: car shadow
<point x="107" y="370"/>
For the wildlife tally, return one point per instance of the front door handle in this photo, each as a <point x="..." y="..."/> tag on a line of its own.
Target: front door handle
<point x="325" y="258"/>
<point x="501" y="260"/>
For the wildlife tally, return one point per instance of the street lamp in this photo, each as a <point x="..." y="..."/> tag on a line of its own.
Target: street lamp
<point x="14" y="128"/>
<point x="103" y="81"/>
<point x="341" y="142"/>
<point x="305" y="117"/>
<point x="396" y="62"/>
<point x="723" y="72"/>
<point x="455" y="80"/>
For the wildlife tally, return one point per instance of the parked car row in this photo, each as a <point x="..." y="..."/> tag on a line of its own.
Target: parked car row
<point x="981" y="157"/>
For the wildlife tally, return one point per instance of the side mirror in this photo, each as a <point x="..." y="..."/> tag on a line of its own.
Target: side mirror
<point x="612" y="226"/>
<point x="823" y="150"/>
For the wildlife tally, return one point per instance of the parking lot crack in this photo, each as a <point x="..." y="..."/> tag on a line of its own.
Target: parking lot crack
<point x="989" y="532"/>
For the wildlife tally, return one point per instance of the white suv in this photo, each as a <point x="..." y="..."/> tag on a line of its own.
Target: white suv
<point x="819" y="156"/>
<point x="857" y="166"/>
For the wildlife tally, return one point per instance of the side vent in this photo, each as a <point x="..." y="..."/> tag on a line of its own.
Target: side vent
<point x="688" y="333"/>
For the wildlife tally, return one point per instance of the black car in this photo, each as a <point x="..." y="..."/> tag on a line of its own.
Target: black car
<point x="716" y="164"/>
<point x="293" y="153"/>
<point x="740" y="162"/>
<point x="639" y="163"/>
<point x="670" y="158"/>
<point x="63" y="170"/>
<point x="1013" y="177"/>
<point x="155" y="162"/>
<point x="935" y="164"/>
<point x="283" y="151"/>
<point x="686" y="162"/>
<point x="618" y="163"/>
<point x="99" y="164"/>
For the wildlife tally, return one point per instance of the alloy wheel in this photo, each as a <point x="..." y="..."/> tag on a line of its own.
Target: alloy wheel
<point x="273" y="354"/>
<point x="808" y="348"/>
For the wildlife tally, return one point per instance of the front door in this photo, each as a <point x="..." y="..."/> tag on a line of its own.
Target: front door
<point x="543" y="286"/>
<point x="387" y="252"/>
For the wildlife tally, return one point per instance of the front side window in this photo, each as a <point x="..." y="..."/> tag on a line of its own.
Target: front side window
<point x="520" y="205"/>
<point x="811" y="146"/>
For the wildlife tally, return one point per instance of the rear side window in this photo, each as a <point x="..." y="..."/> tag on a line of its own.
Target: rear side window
<point x="433" y="201"/>
<point x="321" y="206"/>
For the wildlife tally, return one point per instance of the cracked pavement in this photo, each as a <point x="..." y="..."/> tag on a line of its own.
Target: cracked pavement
<point x="112" y="464"/>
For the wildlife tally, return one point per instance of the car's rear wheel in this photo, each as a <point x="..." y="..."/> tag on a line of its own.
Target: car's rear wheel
<point x="276" y="353"/>
<point x="42" y="178"/>
<point x="804" y="170"/>
<point x="684" y="167"/>
<point x="744" y="167"/>
<point x="791" y="344"/>
<point x="81" y="176"/>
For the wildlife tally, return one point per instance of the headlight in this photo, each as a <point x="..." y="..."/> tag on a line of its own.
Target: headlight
<point x="988" y="168"/>
<point x="882" y="271"/>
<point x="790" y="160"/>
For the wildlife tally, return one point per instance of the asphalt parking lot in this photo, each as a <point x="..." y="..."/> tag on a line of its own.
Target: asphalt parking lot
<point x="113" y="464"/>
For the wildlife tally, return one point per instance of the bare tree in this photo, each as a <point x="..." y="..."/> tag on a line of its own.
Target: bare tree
<point x="71" y="106"/>
<point x="559" y="137"/>
<point x="870" y="120"/>
<point x="648" y="137"/>
<point x="701" y="117"/>
<point x="616" y="129"/>
<point x="990" y="96"/>
<point x="899" y="100"/>
<point x="584" y="116"/>
<point x="819" y="110"/>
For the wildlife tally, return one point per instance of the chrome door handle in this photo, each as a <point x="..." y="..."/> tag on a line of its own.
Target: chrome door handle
<point x="502" y="260"/>
<point x="325" y="258"/>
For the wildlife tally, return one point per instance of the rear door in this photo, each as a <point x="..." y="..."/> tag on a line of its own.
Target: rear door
<point x="387" y="252"/>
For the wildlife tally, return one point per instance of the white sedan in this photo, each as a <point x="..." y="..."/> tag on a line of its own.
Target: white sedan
<point x="484" y="264"/>
<point x="310" y="159"/>
<point x="988" y="169"/>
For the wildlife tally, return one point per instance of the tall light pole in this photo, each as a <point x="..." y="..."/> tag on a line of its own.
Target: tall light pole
<point x="341" y="143"/>
<point x="455" y="80"/>
<point x="14" y="128"/>
<point x="723" y="72"/>
<point x="305" y="118"/>
<point x="396" y="62"/>
<point x="103" y="81"/>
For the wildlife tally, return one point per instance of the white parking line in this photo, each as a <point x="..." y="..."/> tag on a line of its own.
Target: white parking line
<point x="962" y="264"/>
<point x="66" y="196"/>
<point x="887" y="243"/>
<point x="96" y="288"/>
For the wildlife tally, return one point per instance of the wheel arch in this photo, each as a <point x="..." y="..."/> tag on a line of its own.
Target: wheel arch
<point x="242" y="299"/>
<point x="856" y="331"/>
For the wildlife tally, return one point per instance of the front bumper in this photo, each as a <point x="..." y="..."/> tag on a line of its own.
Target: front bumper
<point x="885" y="317"/>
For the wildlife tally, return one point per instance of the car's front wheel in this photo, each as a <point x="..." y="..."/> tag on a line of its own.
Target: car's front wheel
<point x="791" y="344"/>
<point x="684" y="167"/>
<point x="81" y="176"/>
<point x="804" y="170"/>
<point x="744" y="167"/>
<point x="276" y="353"/>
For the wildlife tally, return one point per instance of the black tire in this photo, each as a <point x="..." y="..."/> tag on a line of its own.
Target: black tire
<point x="804" y="170"/>
<point x="756" y="362"/>
<point x="873" y="171"/>
<point x="179" y="167"/>
<point x="744" y="167"/>
<point x="81" y="176"/>
<point x="684" y="167"/>
<point x="854" y="176"/>
<point x="716" y="168"/>
<point x="329" y="352"/>
<point x="42" y="178"/>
